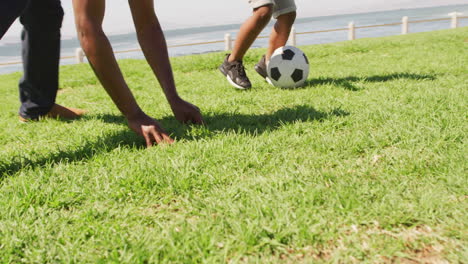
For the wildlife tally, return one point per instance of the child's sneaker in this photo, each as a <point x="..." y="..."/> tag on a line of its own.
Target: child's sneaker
<point x="235" y="73"/>
<point x="261" y="68"/>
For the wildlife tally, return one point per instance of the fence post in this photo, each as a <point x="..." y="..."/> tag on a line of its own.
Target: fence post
<point x="227" y="42"/>
<point x="79" y="55"/>
<point x="292" y="37"/>
<point x="454" y="20"/>
<point x="404" y="25"/>
<point x="352" y="31"/>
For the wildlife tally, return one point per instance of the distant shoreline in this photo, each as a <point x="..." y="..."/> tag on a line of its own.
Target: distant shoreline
<point x="10" y="51"/>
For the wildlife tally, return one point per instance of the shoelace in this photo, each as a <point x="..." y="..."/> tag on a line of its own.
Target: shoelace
<point x="240" y="69"/>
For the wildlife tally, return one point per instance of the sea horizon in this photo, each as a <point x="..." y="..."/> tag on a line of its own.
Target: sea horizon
<point x="10" y="50"/>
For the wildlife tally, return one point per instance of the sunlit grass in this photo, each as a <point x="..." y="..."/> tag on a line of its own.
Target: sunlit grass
<point x="365" y="163"/>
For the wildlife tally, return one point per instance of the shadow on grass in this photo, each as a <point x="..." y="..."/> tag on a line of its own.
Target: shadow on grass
<point x="216" y="123"/>
<point x="248" y="124"/>
<point x="348" y="83"/>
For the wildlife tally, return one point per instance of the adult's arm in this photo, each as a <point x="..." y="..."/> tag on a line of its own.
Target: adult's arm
<point x="9" y="11"/>
<point x="153" y="43"/>
<point x="89" y="15"/>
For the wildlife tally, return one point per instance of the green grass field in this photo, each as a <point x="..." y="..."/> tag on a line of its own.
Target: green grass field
<point x="367" y="163"/>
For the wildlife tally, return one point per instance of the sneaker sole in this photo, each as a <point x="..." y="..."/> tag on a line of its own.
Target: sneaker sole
<point x="269" y="81"/>
<point x="235" y="85"/>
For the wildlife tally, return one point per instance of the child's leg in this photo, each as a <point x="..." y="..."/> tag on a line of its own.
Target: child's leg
<point x="280" y="33"/>
<point x="249" y="31"/>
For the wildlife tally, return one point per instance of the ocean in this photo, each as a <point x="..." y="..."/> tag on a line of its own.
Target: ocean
<point x="11" y="51"/>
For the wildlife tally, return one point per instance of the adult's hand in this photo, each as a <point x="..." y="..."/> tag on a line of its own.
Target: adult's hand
<point x="186" y="112"/>
<point x="149" y="129"/>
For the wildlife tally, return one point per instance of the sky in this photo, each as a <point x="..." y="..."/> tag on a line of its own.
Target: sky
<point x="175" y="14"/>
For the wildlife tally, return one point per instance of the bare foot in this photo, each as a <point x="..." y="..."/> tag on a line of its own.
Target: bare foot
<point x="58" y="111"/>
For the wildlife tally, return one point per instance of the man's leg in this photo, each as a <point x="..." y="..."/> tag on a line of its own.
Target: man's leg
<point x="9" y="11"/>
<point x="42" y="20"/>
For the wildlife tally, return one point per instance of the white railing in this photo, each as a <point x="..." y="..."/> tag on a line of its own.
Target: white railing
<point x="228" y="40"/>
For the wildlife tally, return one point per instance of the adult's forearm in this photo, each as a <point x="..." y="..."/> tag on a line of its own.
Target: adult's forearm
<point x="153" y="44"/>
<point x="101" y="57"/>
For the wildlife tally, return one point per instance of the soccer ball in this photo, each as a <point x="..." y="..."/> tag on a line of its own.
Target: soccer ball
<point x="288" y="67"/>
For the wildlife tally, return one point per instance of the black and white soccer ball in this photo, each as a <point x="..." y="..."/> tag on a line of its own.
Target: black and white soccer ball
<point x="288" y="67"/>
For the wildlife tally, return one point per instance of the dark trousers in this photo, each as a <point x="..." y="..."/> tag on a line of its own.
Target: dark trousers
<point x="42" y="20"/>
<point x="9" y="11"/>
